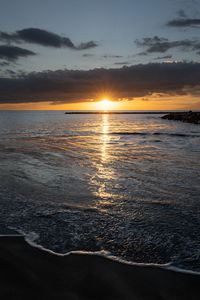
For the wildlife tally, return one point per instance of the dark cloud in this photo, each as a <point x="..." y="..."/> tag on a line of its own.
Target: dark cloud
<point x="69" y="86"/>
<point x="43" y="38"/>
<point x="88" y="55"/>
<point x="12" y="53"/>
<point x="112" y="56"/>
<point x="122" y="63"/>
<point x="162" y="45"/>
<point x="183" y="22"/>
<point x="164" y="57"/>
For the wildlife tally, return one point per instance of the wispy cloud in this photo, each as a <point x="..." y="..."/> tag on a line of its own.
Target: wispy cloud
<point x="162" y="45"/>
<point x="88" y="55"/>
<point x="122" y="63"/>
<point x="111" y="56"/>
<point x="4" y="63"/>
<point x="181" y="13"/>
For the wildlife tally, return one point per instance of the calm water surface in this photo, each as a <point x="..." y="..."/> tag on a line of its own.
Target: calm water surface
<point x="127" y="184"/>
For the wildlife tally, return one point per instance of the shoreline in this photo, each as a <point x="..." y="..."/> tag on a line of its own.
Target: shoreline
<point x="115" y="112"/>
<point x="29" y="272"/>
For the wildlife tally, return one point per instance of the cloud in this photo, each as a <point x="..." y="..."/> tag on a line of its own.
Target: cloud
<point x="70" y="86"/>
<point x="85" y="46"/>
<point x="88" y="55"/>
<point x="44" y="38"/>
<point x="11" y="73"/>
<point x="4" y="63"/>
<point x="162" y="45"/>
<point x="112" y="56"/>
<point x="12" y="53"/>
<point x="122" y="63"/>
<point x="164" y="57"/>
<point x="183" y="22"/>
<point x="181" y="13"/>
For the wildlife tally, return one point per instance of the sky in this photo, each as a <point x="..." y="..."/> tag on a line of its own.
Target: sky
<point x="72" y="54"/>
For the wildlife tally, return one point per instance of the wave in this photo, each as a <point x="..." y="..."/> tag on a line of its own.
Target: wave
<point x="156" y="133"/>
<point x="176" y="134"/>
<point x="129" y="133"/>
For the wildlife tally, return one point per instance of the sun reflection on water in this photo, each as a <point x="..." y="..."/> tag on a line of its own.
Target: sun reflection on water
<point x="104" y="176"/>
<point x="105" y="137"/>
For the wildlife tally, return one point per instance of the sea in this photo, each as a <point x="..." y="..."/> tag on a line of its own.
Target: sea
<point x="124" y="185"/>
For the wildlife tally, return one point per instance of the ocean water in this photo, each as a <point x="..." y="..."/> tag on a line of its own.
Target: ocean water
<point x="126" y="184"/>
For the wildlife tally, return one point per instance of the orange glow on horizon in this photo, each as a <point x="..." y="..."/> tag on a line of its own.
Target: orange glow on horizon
<point x="152" y="103"/>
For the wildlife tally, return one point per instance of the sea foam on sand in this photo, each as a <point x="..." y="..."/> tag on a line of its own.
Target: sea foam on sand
<point x="29" y="272"/>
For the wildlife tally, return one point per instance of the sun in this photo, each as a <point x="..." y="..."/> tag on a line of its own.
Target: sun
<point x="105" y="104"/>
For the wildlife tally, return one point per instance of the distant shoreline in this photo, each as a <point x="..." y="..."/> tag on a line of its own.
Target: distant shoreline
<point x="115" y="112"/>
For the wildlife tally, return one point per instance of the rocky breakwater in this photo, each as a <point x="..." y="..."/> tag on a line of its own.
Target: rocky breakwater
<point x="188" y="117"/>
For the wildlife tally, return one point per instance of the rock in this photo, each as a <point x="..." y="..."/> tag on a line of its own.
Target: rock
<point x="188" y="117"/>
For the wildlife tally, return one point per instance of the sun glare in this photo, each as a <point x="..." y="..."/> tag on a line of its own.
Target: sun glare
<point x="105" y="104"/>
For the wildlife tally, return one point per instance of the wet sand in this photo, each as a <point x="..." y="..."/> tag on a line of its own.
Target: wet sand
<point x="31" y="273"/>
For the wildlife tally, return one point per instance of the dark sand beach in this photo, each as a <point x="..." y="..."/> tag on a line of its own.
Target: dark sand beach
<point x="29" y="272"/>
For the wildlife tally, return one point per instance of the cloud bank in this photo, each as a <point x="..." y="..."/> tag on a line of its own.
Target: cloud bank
<point x="44" y="38"/>
<point x="70" y="86"/>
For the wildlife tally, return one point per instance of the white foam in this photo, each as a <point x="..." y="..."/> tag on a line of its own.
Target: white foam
<point x="29" y="237"/>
